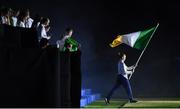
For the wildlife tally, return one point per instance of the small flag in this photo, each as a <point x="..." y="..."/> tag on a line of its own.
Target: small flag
<point x="136" y="40"/>
<point x="71" y="42"/>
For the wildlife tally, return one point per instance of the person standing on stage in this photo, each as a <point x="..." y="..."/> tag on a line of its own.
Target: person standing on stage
<point x="42" y="29"/>
<point x="23" y="15"/>
<point x="29" y="20"/>
<point x="14" y="17"/>
<point x="122" y="79"/>
<point x="67" y="43"/>
<point x="5" y="16"/>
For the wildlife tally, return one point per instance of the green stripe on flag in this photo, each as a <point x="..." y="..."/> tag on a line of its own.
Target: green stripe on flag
<point x="143" y="39"/>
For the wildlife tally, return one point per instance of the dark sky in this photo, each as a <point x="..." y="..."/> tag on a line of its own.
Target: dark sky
<point x="96" y="23"/>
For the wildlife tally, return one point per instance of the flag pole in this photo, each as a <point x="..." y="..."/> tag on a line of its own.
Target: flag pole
<point x="144" y="49"/>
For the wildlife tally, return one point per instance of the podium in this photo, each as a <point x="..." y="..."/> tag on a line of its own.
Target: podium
<point x="31" y="77"/>
<point x="70" y="79"/>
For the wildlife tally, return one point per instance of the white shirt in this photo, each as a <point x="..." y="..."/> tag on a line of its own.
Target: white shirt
<point x="42" y="32"/>
<point x="4" y="20"/>
<point x="28" y="22"/>
<point x="60" y="43"/>
<point x="38" y="24"/>
<point x="14" y="21"/>
<point x="21" y="24"/>
<point x="123" y="69"/>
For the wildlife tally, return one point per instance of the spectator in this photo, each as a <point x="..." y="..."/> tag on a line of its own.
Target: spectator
<point x="42" y="29"/>
<point x="14" y="17"/>
<point x="5" y="14"/>
<point x="23" y="16"/>
<point x="67" y="43"/>
<point x="29" y="20"/>
<point x="36" y="21"/>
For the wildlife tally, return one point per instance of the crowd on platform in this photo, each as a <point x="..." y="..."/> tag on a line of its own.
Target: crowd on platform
<point x="23" y="19"/>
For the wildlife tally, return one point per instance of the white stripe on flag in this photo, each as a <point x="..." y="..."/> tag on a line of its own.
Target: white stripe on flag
<point x="131" y="38"/>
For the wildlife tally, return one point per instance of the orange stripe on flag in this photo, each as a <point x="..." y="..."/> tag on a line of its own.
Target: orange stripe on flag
<point x="116" y="41"/>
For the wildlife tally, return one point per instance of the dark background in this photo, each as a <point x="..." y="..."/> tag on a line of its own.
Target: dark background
<point x="97" y="23"/>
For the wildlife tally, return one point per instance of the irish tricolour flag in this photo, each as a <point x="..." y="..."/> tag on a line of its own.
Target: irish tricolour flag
<point x="136" y="40"/>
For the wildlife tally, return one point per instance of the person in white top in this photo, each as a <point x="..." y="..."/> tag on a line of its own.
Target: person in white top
<point x="14" y="17"/>
<point x="42" y="29"/>
<point x="29" y="20"/>
<point x="122" y="79"/>
<point x="60" y="43"/>
<point x="21" y="19"/>
<point x="5" y="14"/>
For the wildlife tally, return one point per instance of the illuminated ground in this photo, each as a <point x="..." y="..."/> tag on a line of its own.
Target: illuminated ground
<point x="142" y="103"/>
